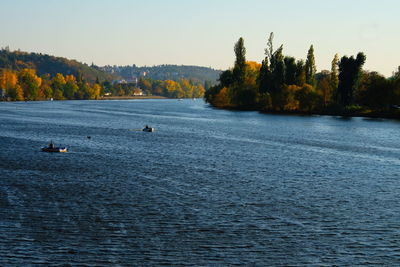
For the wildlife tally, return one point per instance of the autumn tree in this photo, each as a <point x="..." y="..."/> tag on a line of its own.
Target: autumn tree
<point x="58" y="83"/>
<point x="9" y="83"/>
<point x="30" y="83"/>
<point x="324" y="87"/>
<point x="70" y="87"/>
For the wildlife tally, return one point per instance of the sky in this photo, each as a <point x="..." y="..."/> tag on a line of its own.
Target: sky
<point x="203" y="32"/>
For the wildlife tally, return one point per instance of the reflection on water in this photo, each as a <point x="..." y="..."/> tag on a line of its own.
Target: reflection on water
<point x="209" y="187"/>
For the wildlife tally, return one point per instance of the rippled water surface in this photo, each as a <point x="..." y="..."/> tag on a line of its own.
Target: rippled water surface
<point x="209" y="187"/>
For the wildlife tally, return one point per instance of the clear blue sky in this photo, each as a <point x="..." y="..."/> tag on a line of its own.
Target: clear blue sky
<point x="202" y="32"/>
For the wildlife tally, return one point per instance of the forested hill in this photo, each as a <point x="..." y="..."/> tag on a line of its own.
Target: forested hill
<point x="46" y="64"/>
<point x="166" y="72"/>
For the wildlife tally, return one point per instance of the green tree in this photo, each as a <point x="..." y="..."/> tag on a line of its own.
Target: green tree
<point x="277" y="79"/>
<point x="307" y="97"/>
<point x="334" y="80"/>
<point x="239" y="69"/>
<point x="310" y="67"/>
<point x="349" y="76"/>
<point x="376" y="91"/>
<point x="264" y="77"/>
<point x="57" y="83"/>
<point x="269" y="51"/>
<point x="290" y="70"/>
<point x="300" y="73"/>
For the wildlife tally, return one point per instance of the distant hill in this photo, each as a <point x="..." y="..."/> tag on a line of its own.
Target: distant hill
<point x="52" y="65"/>
<point x="165" y="72"/>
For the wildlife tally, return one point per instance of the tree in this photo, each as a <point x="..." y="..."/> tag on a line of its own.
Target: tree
<point x="264" y="76"/>
<point x="291" y="103"/>
<point x="94" y="91"/>
<point x="9" y="83"/>
<point x="290" y="70"/>
<point x="30" y="83"/>
<point x="300" y="73"/>
<point x="239" y="69"/>
<point x="269" y="51"/>
<point x="58" y="82"/>
<point x="198" y="91"/>
<point x="377" y="92"/>
<point x="226" y="78"/>
<point x="335" y="72"/>
<point x="307" y="97"/>
<point x="349" y="75"/>
<point x="70" y="87"/>
<point x="222" y="99"/>
<point x="324" y="88"/>
<point x="277" y="79"/>
<point x="310" y="67"/>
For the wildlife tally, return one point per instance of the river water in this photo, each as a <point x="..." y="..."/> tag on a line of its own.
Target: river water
<point x="208" y="187"/>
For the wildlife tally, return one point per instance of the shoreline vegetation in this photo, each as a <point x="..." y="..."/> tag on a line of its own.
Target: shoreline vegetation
<point x="31" y="76"/>
<point x="133" y="97"/>
<point x="284" y="85"/>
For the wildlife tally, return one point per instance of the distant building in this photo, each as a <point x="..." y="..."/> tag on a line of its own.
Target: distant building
<point x="132" y="80"/>
<point x="123" y="81"/>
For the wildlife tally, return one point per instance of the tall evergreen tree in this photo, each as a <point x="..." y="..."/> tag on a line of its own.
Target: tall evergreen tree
<point x="310" y="67"/>
<point x="239" y="70"/>
<point x="264" y="76"/>
<point x="290" y="70"/>
<point x="300" y="73"/>
<point x="269" y="51"/>
<point x="277" y="70"/>
<point x="277" y="79"/>
<point x="335" y="72"/>
<point x="349" y="76"/>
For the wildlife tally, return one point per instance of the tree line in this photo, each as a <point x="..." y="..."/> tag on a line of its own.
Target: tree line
<point x="284" y="84"/>
<point x="25" y="84"/>
<point x="183" y="88"/>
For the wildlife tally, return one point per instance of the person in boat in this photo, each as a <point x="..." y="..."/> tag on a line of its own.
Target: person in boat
<point x="51" y="145"/>
<point x="147" y="127"/>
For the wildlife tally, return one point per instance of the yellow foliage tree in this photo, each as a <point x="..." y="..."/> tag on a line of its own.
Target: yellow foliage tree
<point x="198" y="91"/>
<point x="95" y="91"/>
<point x="30" y="83"/>
<point x="8" y="78"/>
<point x="173" y="89"/>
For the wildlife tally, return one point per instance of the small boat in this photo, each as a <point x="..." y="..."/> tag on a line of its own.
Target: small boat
<point x="53" y="148"/>
<point x="148" y="129"/>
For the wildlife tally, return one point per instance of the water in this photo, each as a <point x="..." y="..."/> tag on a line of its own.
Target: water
<point x="209" y="187"/>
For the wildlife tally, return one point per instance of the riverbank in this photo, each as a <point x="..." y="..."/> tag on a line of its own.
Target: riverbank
<point x="131" y="97"/>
